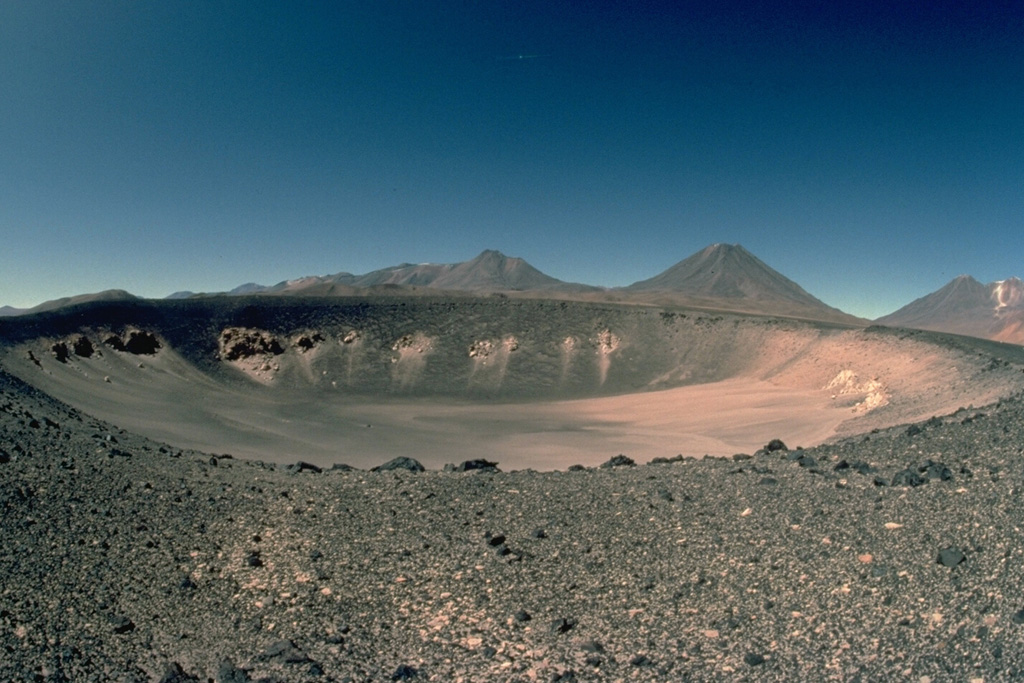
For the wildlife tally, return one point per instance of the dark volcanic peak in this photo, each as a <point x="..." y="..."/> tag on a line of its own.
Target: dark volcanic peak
<point x="726" y="271"/>
<point x="492" y="270"/>
<point x="961" y="295"/>
<point x="729" y="275"/>
<point x="247" y="288"/>
<point x="966" y="306"/>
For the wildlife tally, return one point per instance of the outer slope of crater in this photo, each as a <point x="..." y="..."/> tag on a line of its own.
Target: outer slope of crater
<point x="125" y="559"/>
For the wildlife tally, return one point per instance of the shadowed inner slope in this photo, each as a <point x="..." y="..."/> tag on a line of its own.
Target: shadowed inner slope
<point x="528" y="384"/>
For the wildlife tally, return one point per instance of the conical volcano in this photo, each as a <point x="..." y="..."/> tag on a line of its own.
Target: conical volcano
<point x="730" y="277"/>
<point x="966" y="306"/>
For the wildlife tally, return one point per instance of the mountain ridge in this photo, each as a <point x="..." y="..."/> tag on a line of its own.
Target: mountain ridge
<point x="966" y="306"/>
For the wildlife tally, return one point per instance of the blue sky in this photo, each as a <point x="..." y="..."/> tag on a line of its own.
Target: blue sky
<point x="869" y="151"/>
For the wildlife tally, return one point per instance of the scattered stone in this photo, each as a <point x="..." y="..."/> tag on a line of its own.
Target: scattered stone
<point x="591" y="646"/>
<point x="121" y="624"/>
<point x="523" y="616"/>
<point x="175" y="674"/>
<point x="618" y="461"/>
<point x="753" y="659"/>
<point x="227" y="672"/>
<point x="775" y="445"/>
<point x="1018" y="617"/>
<point x="494" y="539"/>
<point x="284" y="651"/>
<point x="577" y="468"/>
<point x="563" y="625"/>
<point x="405" y="673"/>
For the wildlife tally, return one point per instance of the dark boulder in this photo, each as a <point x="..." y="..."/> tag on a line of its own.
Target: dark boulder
<point x="563" y="625"/>
<point x="227" y="672"/>
<point x="302" y="466"/>
<point x="400" y="463"/>
<point x="619" y="461"/>
<point x="477" y="464"/>
<point x="175" y="674"/>
<point x="285" y="652"/>
<point x="405" y="673"/>
<point x="775" y="445"/>
<point x="935" y="470"/>
<point x="121" y="624"/>
<point x="908" y="477"/>
<point x="950" y="557"/>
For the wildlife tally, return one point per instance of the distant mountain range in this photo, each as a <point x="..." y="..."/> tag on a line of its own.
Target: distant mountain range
<point x="723" y="277"/>
<point x="491" y="271"/>
<point x="54" y="304"/>
<point x="966" y="306"/>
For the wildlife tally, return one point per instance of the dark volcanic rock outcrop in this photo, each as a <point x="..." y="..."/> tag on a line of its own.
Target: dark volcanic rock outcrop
<point x="239" y="343"/>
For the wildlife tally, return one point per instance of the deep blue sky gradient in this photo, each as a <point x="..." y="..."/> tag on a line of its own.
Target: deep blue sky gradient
<point x="869" y="151"/>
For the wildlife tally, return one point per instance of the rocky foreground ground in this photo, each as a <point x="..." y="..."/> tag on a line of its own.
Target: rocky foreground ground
<point x="895" y="555"/>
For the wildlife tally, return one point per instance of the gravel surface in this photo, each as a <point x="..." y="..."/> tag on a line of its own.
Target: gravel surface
<point x="895" y="555"/>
